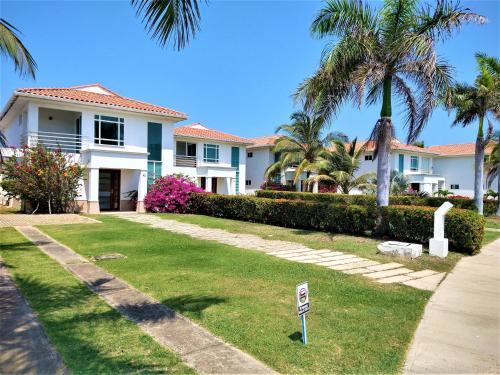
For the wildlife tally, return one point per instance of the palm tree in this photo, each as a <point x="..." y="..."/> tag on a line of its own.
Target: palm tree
<point x="386" y="53"/>
<point x="399" y="183"/>
<point x="339" y="165"/>
<point x="476" y="103"/>
<point x="169" y="20"/>
<point x="492" y="165"/>
<point x="300" y="144"/>
<point x="12" y="48"/>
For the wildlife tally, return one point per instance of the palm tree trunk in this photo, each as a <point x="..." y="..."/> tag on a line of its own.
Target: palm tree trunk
<point x="479" y="168"/>
<point x="498" y="178"/>
<point x="384" y="145"/>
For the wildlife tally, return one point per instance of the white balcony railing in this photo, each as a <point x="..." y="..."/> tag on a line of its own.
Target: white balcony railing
<point x="66" y="142"/>
<point x="185" y="161"/>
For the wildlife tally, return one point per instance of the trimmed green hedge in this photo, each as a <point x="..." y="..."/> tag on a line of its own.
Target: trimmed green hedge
<point x="464" y="228"/>
<point x="286" y="213"/>
<point x="490" y="206"/>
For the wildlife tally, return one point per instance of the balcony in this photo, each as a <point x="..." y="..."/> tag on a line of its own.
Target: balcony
<point x="66" y="142"/>
<point x="185" y="161"/>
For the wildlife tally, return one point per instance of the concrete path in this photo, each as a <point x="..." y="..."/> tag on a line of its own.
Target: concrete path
<point x="384" y="273"/>
<point x="24" y="346"/>
<point x="460" y="330"/>
<point x="11" y="220"/>
<point x="196" y="346"/>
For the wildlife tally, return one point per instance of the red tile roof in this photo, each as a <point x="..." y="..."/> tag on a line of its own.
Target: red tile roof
<point x="397" y="145"/>
<point x="458" y="149"/>
<point x="200" y="131"/>
<point x="264" y="141"/>
<point x="104" y="96"/>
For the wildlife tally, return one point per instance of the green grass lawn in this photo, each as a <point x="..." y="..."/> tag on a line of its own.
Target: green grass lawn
<point x="490" y="236"/>
<point x="90" y="336"/>
<point x="362" y="246"/>
<point x="493" y="222"/>
<point x="247" y="298"/>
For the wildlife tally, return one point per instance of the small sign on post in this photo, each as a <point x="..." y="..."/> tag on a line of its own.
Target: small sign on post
<point x="303" y="307"/>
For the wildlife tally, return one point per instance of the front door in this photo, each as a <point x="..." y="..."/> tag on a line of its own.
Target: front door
<point x="109" y="190"/>
<point x="214" y="185"/>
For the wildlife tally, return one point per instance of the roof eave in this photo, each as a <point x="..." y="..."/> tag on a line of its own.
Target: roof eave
<point x="91" y="104"/>
<point x="211" y="139"/>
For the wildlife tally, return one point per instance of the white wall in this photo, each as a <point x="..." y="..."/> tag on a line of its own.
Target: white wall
<point x="457" y="170"/>
<point x="62" y="121"/>
<point x="256" y="167"/>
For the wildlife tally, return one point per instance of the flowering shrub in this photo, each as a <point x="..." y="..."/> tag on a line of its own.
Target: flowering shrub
<point x="170" y="194"/>
<point x="47" y="180"/>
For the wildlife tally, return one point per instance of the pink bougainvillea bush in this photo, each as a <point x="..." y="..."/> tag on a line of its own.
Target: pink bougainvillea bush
<point x="170" y="194"/>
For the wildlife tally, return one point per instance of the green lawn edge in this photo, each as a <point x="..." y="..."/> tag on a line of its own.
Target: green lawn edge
<point x="90" y="335"/>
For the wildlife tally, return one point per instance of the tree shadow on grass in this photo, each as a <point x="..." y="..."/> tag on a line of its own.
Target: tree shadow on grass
<point x="89" y="338"/>
<point x="16" y="246"/>
<point x="195" y="305"/>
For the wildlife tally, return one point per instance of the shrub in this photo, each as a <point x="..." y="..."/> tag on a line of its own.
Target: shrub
<point x="286" y="213"/>
<point x="271" y="185"/>
<point x="170" y="194"/>
<point x="406" y="200"/>
<point x="463" y="228"/>
<point x="47" y="180"/>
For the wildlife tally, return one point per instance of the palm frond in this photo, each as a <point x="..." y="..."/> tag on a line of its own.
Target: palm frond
<point x="12" y="48"/>
<point x="175" y="21"/>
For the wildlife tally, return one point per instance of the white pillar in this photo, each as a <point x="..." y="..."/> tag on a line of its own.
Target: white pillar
<point x="298" y="187"/>
<point x="208" y="184"/>
<point x="142" y="189"/>
<point x="230" y="189"/>
<point x="316" y="187"/>
<point x="93" y="193"/>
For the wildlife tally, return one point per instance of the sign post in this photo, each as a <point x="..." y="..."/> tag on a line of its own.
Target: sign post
<point x="303" y="307"/>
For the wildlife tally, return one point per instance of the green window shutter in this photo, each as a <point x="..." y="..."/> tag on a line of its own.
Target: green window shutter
<point x="235" y="163"/>
<point x="277" y="156"/>
<point x="401" y="163"/>
<point x="154" y="141"/>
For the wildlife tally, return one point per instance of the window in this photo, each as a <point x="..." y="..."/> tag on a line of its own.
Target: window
<point x="454" y="186"/>
<point x="414" y="163"/>
<point x="154" y="152"/>
<point x="185" y="149"/>
<point x="249" y="154"/>
<point x="108" y="130"/>
<point x="248" y="182"/>
<point x="426" y="165"/>
<point x="401" y="163"/>
<point x="154" y="171"/>
<point x="368" y="157"/>
<point x="210" y="153"/>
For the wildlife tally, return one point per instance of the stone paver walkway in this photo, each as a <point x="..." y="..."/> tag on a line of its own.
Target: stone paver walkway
<point x="197" y="347"/>
<point x="384" y="273"/>
<point x="12" y="220"/>
<point x="24" y="346"/>
<point x="460" y="330"/>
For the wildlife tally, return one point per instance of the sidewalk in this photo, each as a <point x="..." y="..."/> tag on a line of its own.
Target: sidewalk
<point x="24" y="347"/>
<point x="460" y="331"/>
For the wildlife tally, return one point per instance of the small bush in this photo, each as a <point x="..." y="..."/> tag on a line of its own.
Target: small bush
<point x="170" y="194"/>
<point x="463" y="228"/>
<point x="406" y="200"/>
<point x="48" y="181"/>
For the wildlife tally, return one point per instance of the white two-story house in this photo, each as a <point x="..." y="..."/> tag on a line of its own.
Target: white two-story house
<point x="120" y="141"/>
<point x="416" y="163"/>
<point x="215" y="160"/>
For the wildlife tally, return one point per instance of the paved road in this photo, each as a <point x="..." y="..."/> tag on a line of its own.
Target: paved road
<point x="24" y="347"/>
<point x="460" y="331"/>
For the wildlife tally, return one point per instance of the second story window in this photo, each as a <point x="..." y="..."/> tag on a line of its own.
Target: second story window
<point x="414" y="163"/>
<point x="210" y="153"/>
<point x="108" y="130"/>
<point x="249" y="154"/>
<point x="368" y="157"/>
<point x="426" y="164"/>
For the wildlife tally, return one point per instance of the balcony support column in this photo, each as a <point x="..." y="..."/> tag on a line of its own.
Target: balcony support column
<point x="93" y="192"/>
<point x="142" y="189"/>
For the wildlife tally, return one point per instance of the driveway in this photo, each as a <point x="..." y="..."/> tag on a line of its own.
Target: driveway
<point x="16" y="220"/>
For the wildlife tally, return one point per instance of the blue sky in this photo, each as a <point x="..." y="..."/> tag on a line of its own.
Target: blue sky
<point x="237" y="75"/>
